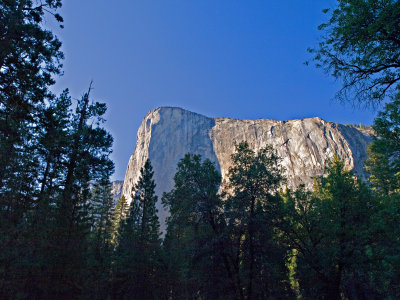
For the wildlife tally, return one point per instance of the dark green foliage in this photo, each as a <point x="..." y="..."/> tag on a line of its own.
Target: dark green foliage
<point x="99" y="256"/>
<point x="383" y="163"/>
<point x="86" y="162"/>
<point x="252" y="210"/>
<point x="329" y="229"/>
<point x="361" y="46"/>
<point x="52" y="148"/>
<point x="29" y="56"/>
<point x="136" y="268"/>
<point x="193" y="247"/>
<point x="61" y="237"/>
<point x="385" y="275"/>
<point x="46" y="229"/>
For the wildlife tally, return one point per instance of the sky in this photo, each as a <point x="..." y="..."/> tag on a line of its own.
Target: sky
<point x="227" y="58"/>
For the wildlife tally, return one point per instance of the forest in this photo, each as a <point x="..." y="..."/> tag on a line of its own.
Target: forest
<point x="63" y="237"/>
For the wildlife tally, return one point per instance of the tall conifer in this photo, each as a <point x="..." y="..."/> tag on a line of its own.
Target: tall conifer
<point x="137" y="257"/>
<point x="252" y="210"/>
<point x="193" y="244"/>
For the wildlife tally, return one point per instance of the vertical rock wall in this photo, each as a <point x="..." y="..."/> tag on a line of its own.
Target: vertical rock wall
<point x="305" y="146"/>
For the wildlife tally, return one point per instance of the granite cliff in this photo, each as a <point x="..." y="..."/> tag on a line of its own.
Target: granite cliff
<point x="305" y="146"/>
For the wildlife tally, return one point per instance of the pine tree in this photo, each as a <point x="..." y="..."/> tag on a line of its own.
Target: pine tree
<point x="137" y="257"/>
<point x="193" y="244"/>
<point x="385" y="248"/>
<point x="383" y="162"/>
<point x="53" y="142"/>
<point x="29" y="57"/>
<point x="100" y="242"/>
<point x="87" y="161"/>
<point x="252" y="209"/>
<point x="49" y="158"/>
<point x="120" y="212"/>
<point x="330" y="231"/>
<point x="383" y="165"/>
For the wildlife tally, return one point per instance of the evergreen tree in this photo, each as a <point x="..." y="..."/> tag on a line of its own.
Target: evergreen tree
<point x="100" y="250"/>
<point x="252" y="209"/>
<point x="383" y="162"/>
<point x="385" y="248"/>
<point x="137" y="257"/>
<point x="54" y="139"/>
<point x="87" y="161"/>
<point x="120" y="212"/>
<point x="329" y="229"/>
<point x="29" y="57"/>
<point x="49" y="158"/>
<point x="193" y="244"/>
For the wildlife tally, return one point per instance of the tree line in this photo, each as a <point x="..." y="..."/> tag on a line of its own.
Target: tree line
<point x="256" y="240"/>
<point x="62" y="237"/>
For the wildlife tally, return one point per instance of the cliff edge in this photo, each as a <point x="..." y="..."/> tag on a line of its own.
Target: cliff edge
<point x="305" y="146"/>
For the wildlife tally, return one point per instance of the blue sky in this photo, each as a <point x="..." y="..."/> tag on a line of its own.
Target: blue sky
<point x="221" y="58"/>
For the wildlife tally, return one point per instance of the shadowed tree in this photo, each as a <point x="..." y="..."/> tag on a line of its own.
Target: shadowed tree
<point x="252" y="210"/>
<point x="196" y="262"/>
<point x="100" y="250"/>
<point x="29" y="57"/>
<point x="383" y="162"/>
<point x="136" y="267"/>
<point x="330" y="230"/>
<point x="87" y="161"/>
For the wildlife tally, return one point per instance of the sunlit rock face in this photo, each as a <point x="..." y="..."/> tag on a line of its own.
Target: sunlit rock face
<point x="305" y="146"/>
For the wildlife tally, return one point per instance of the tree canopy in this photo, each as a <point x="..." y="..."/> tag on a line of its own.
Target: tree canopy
<point x="63" y="237"/>
<point x="360" y="45"/>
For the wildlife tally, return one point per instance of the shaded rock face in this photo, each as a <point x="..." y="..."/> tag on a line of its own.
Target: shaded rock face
<point x="305" y="146"/>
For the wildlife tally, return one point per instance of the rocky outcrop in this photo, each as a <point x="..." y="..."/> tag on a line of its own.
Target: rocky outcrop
<point x="305" y="146"/>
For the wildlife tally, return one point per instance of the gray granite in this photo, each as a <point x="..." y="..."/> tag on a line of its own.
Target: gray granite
<point x="305" y="145"/>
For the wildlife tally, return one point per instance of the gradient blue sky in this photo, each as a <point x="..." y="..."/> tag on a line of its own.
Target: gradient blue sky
<point x="221" y="58"/>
